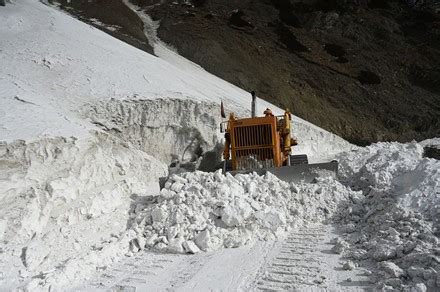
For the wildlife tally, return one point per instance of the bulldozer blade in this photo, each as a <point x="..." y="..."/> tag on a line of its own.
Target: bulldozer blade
<point x="297" y="173"/>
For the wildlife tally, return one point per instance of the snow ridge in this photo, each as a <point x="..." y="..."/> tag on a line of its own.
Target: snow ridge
<point x="393" y="227"/>
<point x="207" y="211"/>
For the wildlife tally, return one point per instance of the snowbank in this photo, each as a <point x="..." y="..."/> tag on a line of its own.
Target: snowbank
<point x="62" y="200"/>
<point x="393" y="228"/>
<point x="170" y="129"/>
<point x="206" y="211"/>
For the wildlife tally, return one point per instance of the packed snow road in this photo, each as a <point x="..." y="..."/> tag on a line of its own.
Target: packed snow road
<point x="304" y="260"/>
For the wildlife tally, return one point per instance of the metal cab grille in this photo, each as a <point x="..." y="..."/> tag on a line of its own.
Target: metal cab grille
<point x="253" y="136"/>
<point x="253" y="146"/>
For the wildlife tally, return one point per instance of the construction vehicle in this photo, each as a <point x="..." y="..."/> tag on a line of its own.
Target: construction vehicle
<point x="264" y="144"/>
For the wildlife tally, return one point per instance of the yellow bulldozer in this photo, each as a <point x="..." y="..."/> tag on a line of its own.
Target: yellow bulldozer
<point x="259" y="144"/>
<point x="264" y="144"/>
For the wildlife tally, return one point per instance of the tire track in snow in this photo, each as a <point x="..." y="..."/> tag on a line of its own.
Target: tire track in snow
<point x="304" y="262"/>
<point x="147" y="271"/>
<point x="192" y="267"/>
<point x="297" y="263"/>
<point x="129" y="273"/>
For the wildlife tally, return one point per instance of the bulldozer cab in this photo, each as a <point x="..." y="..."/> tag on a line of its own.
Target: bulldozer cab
<point x="258" y="142"/>
<point x="264" y="144"/>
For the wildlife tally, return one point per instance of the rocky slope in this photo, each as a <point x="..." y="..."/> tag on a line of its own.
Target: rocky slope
<point x="366" y="70"/>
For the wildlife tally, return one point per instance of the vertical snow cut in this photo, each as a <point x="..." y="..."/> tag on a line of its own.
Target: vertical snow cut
<point x="175" y="131"/>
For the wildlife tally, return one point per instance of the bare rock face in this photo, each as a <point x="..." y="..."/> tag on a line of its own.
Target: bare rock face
<point x="352" y="67"/>
<point x="432" y="152"/>
<point x="425" y="5"/>
<point x="366" y="70"/>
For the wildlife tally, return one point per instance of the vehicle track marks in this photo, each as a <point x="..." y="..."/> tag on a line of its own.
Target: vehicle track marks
<point x="302" y="262"/>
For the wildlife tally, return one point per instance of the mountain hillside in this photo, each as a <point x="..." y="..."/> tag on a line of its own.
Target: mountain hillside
<point x="367" y="70"/>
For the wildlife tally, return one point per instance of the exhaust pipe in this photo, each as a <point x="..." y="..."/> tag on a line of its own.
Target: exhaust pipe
<point x="254" y="104"/>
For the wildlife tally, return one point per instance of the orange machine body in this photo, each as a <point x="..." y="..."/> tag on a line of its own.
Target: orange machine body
<point x="259" y="142"/>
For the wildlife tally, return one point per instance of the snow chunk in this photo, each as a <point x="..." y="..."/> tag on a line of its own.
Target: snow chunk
<point x="235" y="214"/>
<point x="213" y="210"/>
<point x="340" y="246"/>
<point x="392" y="269"/>
<point x="190" y="247"/>
<point x="349" y="265"/>
<point x="34" y="254"/>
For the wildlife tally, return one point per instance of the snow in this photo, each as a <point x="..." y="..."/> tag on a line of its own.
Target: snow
<point x="396" y="221"/>
<point x="66" y="204"/>
<point x="399" y="169"/>
<point x="53" y="65"/>
<point x="387" y="210"/>
<point x="73" y="158"/>
<point x="215" y="211"/>
<point x="88" y="124"/>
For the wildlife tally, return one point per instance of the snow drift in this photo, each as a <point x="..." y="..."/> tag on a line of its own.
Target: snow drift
<point x="62" y="199"/>
<point x="393" y="227"/>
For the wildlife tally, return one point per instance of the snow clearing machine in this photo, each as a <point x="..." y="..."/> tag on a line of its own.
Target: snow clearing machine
<point x="264" y="144"/>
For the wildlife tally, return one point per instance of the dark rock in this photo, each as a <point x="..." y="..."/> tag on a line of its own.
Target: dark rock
<point x="431" y="152"/>
<point x="189" y="14"/>
<point x="426" y="78"/>
<point x="342" y="60"/>
<point x="236" y="20"/>
<point x="334" y="50"/>
<point x="368" y="77"/>
<point x="289" y="40"/>
<point x="199" y="3"/>
<point x="379" y="4"/>
<point x="289" y="18"/>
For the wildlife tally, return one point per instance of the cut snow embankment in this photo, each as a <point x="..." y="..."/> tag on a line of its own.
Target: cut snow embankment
<point x="65" y="206"/>
<point x="169" y="129"/>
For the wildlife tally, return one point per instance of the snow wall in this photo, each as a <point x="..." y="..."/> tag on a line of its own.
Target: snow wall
<point x="62" y="199"/>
